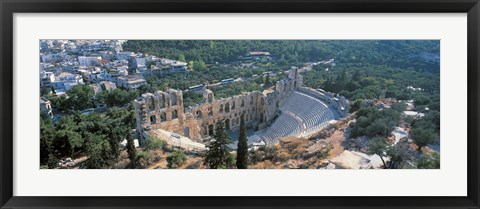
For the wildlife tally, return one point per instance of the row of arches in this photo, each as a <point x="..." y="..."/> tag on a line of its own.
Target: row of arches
<point x="209" y="130"/>
<point x="162" y="101"/>
<point x="163" y="117"/>
<point x="222" y="109"/>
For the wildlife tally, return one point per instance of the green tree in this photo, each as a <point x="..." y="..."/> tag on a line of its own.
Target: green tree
<point x="283" y="63"/>
<point x="377" y="128"/>
<point x="268" y="82"/>
<point x="399" y="106"/>
<point x="217" y="155"/>
<point x="181" y="58"/>
<point x="80" y="97"/>
<point x="176" y="159"/>
<point x="355" y="106"/>
<point x="427" y="161"/>
<point x="378" y="146"/>
<point x="154" y="143"/>
<point x="422" y="136"/>
<point x="98" y="152"/>
<point x="190" y="65"/>
<point x="66" y="142"/>
<point x="114" y="138"/>
<point x="47" y="133"/>
<point x="117" y="97"/>
<point x="242" y="147"/>
<point x="395" y="156"/>
<point x="132" y="152"/>
<point x="199" y="65"/>
<point x="421" y="100"/>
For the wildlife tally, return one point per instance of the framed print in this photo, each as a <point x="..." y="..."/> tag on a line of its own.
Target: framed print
<point x="200" y="104"/>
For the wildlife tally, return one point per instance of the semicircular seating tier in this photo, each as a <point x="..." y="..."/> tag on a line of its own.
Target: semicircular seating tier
<point x="301" y="115"/>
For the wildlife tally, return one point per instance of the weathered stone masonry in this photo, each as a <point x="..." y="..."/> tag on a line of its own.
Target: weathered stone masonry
<point x="165" y="110"/>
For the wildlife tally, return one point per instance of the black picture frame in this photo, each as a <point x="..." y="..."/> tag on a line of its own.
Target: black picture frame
<point x="9" y="7"/>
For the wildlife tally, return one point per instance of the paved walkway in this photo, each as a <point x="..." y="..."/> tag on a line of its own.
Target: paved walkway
<point x="182" y="141"/>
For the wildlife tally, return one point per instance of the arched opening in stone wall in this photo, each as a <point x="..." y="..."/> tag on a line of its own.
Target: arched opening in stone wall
<point x="233" y="105"/>
<point x="261" y="117"/>
<point x="220" y="110"/>
<point x="227" y="124"/>
<point x="150" y="104"/>
<point x="210" y="130"/>
<point x="173" y="100"/>
<point x="251" y="100"/>
<point x="262" y="101"/>
<point x="153" y="119"/>
<point x="186" y="132"/>
<point x="163" y="117"/>
<point x="162" y="102"/>
<point x="210" y="112"/>
<point x="227" y="107"/>
<point x="242" y="104"/>
<point x="198" y="114"/>
<point x="278" y="104"/>
<point x="174" y="114"/>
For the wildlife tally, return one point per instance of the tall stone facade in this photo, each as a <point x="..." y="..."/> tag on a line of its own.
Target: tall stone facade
<point x="165" y="110"/>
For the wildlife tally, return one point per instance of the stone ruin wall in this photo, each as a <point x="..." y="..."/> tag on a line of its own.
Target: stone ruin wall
<point x="206" y="114"/>
<point x="165" y="110"/>
<point x="159" y="111"/>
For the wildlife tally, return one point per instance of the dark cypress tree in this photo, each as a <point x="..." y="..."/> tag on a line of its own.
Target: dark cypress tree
<point x="267" y="81"/>
<point x="242" y="147"/>
<point x="132" y="152"/>
<point x="217" y="154"/>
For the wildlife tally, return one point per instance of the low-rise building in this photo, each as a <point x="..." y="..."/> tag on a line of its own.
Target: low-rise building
<point x="131" y="82"/>
<point x="89" y="61"/>
<point x="46" y="78"/>
<point x="103" y="86"/>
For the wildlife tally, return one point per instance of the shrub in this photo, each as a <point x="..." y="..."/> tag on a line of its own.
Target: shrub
<point x="176" y="159"/>
<point x="429" y="161"/>
<point x="155" y="143"/>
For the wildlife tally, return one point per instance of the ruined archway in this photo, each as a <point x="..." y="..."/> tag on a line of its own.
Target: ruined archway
<point x="227" y="107"/>
<point x="210" y="111"/>
<point x="163" y="117"/>
<point x="174" y="114"/>
<point x="150" y="104"/>
<point x="153" y="119"/>
<point x="227" y="124"/>
<point x="161" y="101"/>
<point x="198" y="114"/>
<point x="173" y="100"/>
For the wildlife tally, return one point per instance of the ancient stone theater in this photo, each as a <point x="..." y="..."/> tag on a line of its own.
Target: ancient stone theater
<point x="290" y="109"/>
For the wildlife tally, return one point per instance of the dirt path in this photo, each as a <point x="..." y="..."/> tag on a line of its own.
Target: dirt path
<point x="160" y="164"/>
<point x="337" y="139"/>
